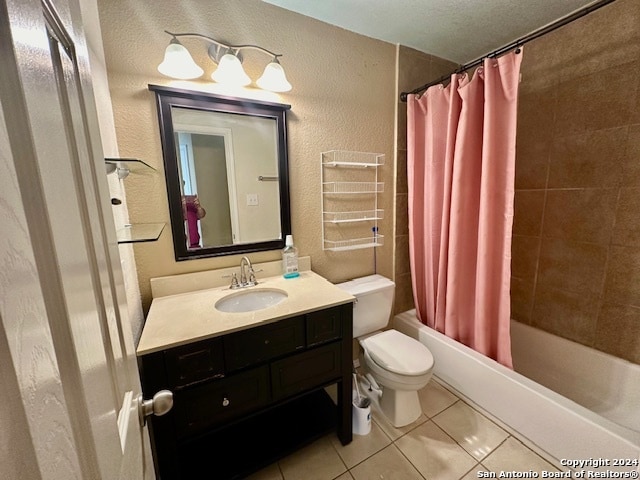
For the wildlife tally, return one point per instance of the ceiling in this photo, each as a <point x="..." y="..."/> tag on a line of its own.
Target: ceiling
<point x="456" y="30"/>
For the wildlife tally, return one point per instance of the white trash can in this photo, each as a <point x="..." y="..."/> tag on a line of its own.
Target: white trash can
<point x="361" y="415"/>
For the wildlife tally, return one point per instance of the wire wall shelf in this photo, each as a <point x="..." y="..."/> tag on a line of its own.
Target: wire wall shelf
<point x="350" y="223"/>
<point x="343" y="158"/>
<point x="352" y="217"/>
<point x="354" y="243"/>
<point x="352" y="187"/>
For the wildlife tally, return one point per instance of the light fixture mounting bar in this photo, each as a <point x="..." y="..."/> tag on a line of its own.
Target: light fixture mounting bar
<point x="224" y="45"/>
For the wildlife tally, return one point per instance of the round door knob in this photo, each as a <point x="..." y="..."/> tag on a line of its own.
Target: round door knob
<point x="160" y="404"/>
<point x="225" y="402"/>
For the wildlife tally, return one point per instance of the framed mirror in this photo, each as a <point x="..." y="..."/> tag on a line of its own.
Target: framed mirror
<point x="226" y="170"/>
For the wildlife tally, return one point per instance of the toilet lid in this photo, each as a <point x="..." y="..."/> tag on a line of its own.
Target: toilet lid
<point x="398" y="353"/>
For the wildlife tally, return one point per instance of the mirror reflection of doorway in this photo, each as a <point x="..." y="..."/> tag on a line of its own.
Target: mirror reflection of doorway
<point x="205" y="157"/>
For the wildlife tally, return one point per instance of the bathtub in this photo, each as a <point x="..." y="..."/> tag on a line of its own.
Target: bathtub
<point x="557" y="426"/>
<point x="605" y="384"/>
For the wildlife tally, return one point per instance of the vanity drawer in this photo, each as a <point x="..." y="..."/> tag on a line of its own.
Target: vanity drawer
<point x="324" y="326"/>
<point x="306" y="370"/>
<point x="195" y="362"/>
<point x="221" y="400"/>
<point x="260" y="344"/>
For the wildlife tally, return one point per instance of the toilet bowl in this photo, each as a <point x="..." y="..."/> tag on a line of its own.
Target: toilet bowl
<point x="402" y="366"/>
<point x="399" y="364"/>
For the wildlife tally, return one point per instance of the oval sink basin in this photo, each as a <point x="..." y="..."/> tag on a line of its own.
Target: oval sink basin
<point x="250" y="300"/>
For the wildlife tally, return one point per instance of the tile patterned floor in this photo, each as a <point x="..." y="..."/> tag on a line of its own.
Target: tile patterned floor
<point x="450" y="441"/>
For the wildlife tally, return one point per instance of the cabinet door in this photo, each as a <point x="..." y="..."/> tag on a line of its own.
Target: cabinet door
<point x="195" y="362"/>
<point x="260" y="344"/>
<point x="306" y="370"/>
<point x="324" y="326"/>
<point x="215" y="402"/>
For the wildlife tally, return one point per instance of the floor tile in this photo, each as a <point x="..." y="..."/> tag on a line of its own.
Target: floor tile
<point x="272" y="472"/>
<point x="318" y="461"/>
<point x="473" y="473"/>
<point x="332" y="391"/>
<point x="474" y="432"/>
<point x="434" y="453"/>
<point x="362" y="446"/>
<point x="514" y="456"/>
<point x="389" y="464"/>
<point x="447" y="447"/>
<point x="345" y="476"/>
<point x="434" y="398"/>
<point x="394" y="432"/>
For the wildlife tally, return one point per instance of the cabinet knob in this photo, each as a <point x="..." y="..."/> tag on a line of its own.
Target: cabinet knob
<point x="225" y="402"/>
<point x="266" y="342"/>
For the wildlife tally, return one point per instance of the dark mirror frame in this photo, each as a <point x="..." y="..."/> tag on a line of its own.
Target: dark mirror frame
<point x="166" y="98"/>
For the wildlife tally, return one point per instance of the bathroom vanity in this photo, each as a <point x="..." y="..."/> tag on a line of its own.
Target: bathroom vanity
<point x="248" y="387"/>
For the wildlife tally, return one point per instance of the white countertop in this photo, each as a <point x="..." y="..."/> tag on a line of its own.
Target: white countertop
<point x="183" y="318"/>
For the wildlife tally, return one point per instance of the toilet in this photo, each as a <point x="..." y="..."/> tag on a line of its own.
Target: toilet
<point x="399" y="364"/>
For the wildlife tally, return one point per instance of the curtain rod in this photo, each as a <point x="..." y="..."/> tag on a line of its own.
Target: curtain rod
<point x="518" y="43"/>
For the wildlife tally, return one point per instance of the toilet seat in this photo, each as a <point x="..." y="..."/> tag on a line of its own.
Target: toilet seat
<point x="398" y="353"/>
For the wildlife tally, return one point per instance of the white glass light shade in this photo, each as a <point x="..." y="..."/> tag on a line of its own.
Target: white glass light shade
<point x="273" y="78"/>
<point x="178" y="63"/>
<point x="230" y="72"/>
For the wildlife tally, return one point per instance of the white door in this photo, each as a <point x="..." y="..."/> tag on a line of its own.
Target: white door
<point x="68" y="373"/>
<point x="187" y="126"/>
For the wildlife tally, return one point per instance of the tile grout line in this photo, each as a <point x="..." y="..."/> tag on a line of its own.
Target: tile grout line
<point x="511" y="431"/>
<point x="391" y="442"/>
<point x="478" y="463"/>
<point x="408" y="460"/>
<point x="430" y="419"/>
<point x="475" y="467"/>
<point x="498" y="446"/>
<point x="455" y="441"/>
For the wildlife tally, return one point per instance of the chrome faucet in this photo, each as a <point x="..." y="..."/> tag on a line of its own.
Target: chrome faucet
<point x="245" y="263"/>
<point x="247" y="275"/>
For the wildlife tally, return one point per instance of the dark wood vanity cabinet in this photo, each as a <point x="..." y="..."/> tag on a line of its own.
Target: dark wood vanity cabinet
<point x="244" y="399"/>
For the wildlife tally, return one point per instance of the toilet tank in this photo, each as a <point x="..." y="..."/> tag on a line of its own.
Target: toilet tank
<point x="372" y="310"/>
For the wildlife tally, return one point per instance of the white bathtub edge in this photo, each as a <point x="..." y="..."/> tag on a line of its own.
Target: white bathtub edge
<point x="558" y="426"/>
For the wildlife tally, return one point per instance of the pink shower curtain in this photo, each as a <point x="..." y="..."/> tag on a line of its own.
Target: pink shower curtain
<point x="461" y="170"/>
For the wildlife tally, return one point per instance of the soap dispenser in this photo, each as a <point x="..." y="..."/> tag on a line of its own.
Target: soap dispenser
<point x="290" y="259"/>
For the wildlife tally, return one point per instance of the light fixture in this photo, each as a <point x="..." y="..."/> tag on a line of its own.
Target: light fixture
<point x="230" y="71"/>
<point x="274" y="78"/>
<point x="179" y="64"/>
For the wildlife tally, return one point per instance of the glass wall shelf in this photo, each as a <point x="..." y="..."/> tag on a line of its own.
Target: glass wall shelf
<point x="124" y="166"/>
<point x="355" y="216"/>
<point x="140" y="232"/>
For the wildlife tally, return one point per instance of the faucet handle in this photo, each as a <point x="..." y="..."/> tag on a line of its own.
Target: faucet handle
<point x="252" y="276"/>
<point x="234" y="280"/>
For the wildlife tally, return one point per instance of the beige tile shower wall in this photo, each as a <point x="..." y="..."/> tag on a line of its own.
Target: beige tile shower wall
<point x="415" y="68"/>
<point x="342" y="98"/>
<point x="576" y="244"/>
